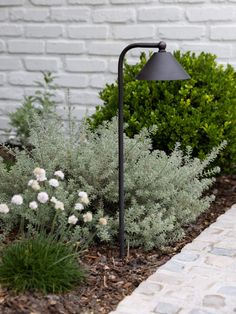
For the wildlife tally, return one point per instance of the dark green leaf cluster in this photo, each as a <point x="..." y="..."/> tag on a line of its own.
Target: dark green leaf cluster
<point x="40" y="264"/>
<point x="40" y="104"/>
<point x="200" y="112"/>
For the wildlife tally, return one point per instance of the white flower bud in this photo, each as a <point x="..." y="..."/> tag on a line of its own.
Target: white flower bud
<point x="43" y="197"/>
<point x="4" y="209"/>
<point x="53" y="199"/>
<point x="83" y="197"/>
<point x="88" y="217"/>
<point x="103" y="221"/>
<point x="17" y="200"/>
<point x="33" y="205"/>
<point x="59" y="205"/>
<point x="72" y="220"/>
<point x="34" y="185"/>
<point x="54" y="183"/>
<point x="40" y="174"/>
<point x="59" y="174"/>
<point x="79" y="206"/>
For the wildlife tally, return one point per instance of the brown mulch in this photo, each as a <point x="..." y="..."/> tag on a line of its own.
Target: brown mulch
<point x="110" y="279"/>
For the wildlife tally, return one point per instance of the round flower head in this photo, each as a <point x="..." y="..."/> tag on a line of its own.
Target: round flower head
<point x="59" y="205"/>
<point x="4" y="209"/>
<point x="34" y="185"/>
<point x="40" y="174"/>
<point x="30" y="182"/>
<point x="72" y="220"/>
<point x="59" y="174"/>
<point x="79" y="206"/>
<point x="53" y="199"/>
<point x="33" y="205"/>
<point x="88" y="217"/>
<point x="103" y="221"/>
<point x="17" y="200"/>
<point x="83" y="197"/>
<point x="43" y="197"/>
<point x="54" y="183"/>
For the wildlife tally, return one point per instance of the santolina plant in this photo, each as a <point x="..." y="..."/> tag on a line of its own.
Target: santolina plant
<point x="163" y="192"/>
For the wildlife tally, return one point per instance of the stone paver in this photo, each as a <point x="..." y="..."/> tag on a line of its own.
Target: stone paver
<point x="201" y="279"/>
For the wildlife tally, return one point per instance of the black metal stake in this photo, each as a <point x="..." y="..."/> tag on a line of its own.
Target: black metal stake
<point x="121" y="140"/>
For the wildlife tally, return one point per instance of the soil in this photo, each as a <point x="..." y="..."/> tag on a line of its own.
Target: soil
<point x="110" y="279"/>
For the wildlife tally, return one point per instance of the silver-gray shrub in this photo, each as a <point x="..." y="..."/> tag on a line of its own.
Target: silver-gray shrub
<point x="162" y="193"/>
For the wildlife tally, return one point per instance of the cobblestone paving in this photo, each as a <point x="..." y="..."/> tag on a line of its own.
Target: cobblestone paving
<point x="201" y="279"/>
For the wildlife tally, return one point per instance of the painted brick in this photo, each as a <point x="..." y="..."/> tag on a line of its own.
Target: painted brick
<point x="2" y="80"/>
<point x="129" y="1"/>
<point x="170" y="48"/>
<point x="85" y="65"/>
<point x="88" y="2"/>
<point x="113" y="16"/>
<point x="133" y="31"/>
<point x="2" y="46"/>
<point x="58" y="96"/>
<point x="223" y="32"/>
<point x="72" y="80"/>
<point x="44" y="31"/>
<point x="29" y="15"/>
<point x="24" y="78"/>
<point x="84" y="98"/>
<point x="80" y="112"/>
<point x="181" y="32"/>
<point x="106" y="48"/>
<point x="71" y="15"/>
<point x="3" y="14"/>
<point x="160" y="14"/>
<point x="26" y="46"/>
<point x="11" y="93"/>
<point x="4" y="122"/>
<point x="11" y="30"/>
<point x="8" y="3"/>
<point x="65" y="47"/>
<point x="93" y="32"/>
<point x="210" y="13"/>
<point x="113" y="66"/>
<point x="183" y="1"/>
<point x="47" y="2"/>
<point x="41" y="64"/>
<point x="10" y="63"/>
<point x="97" y="81"/>
<point x="222" y="51"/>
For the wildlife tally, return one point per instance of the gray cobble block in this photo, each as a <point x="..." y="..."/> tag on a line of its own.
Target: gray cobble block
<point x="214" y="301"/>
<point x="186" y="256"/>
<point x="223" y="251"/>
<point x="228" y="290"/>
<point x="149" y="288"/>
<point x="166" y="308"/>
<point x="200" y="311"/>
<point x="173" y="266"/>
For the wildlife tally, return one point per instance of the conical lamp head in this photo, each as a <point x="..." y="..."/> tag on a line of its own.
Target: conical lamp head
<point x="162" y="66"/>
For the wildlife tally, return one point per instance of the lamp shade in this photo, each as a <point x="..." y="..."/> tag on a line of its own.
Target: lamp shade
<point x="162" y="66"/>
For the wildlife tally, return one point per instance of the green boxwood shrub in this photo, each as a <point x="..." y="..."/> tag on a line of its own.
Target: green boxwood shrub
<point x="200" y="112"/>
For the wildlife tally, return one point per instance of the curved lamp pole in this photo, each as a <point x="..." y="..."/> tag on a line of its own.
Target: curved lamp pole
<point x="162" y="66"/>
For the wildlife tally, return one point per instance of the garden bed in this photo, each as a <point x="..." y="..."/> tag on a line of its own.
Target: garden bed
<point x="109" y="279"/>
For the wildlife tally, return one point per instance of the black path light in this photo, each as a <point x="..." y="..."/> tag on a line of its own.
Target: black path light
<point x="162" y="66"/>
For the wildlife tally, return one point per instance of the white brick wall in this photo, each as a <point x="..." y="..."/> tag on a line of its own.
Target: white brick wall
<point x="80" y="41"/>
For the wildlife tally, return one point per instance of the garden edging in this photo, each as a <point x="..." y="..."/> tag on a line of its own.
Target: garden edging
<point x="201" y="279"/>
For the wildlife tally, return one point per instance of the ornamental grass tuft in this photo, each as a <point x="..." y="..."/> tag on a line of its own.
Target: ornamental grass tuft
<point x="40" y="264"/>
